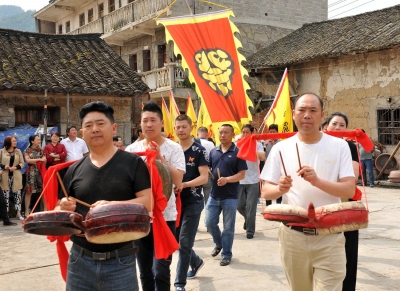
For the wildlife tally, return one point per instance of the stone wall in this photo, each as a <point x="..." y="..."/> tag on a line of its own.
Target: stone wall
<point x="122" y="107"/>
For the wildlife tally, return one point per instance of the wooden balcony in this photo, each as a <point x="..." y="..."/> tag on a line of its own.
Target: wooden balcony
<point x="92" y="27"/>
<point x="169" y="77"/>
<point x="132" y="20"/>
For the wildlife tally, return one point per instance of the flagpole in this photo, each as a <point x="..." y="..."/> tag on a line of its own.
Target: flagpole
<point x="274" y="102"/>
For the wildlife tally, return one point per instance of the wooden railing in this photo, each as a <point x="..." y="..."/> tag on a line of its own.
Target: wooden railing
<point x="168" y="77"/>
<point x="119" y="18"/>
<point x="92" y="27"/>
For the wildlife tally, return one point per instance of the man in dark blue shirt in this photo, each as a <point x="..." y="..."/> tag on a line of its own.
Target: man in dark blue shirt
<point x="196" y="159"/>
<point x="228" y="170"/>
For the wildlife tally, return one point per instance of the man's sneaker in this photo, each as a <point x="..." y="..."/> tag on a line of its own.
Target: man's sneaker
<point x="180" y="289"/>
<point x="225" y="262"/>
<point x="193" y="272"/>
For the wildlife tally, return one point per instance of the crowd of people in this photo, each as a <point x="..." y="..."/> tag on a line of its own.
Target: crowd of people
<point x="204" y="176"/>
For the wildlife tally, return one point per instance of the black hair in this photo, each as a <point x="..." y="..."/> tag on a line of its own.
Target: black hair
<point x="115" y="138"/>
<point x="97" y="106"/>
<point x="151" y="106"/>
<point x="273" y="126"/>
<point x="134" y="137"/>
<point x="249" y="126"/>
<point x="32" y="138"/>
<point x="139" y="130"/>
<point x="321" y="102"/>
<point x="184" y="117"/>
<point x="228" y="125"/>
<point x="341" y="114"/>
<point x="69" y="128"/>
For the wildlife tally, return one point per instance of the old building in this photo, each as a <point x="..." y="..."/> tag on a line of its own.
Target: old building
<point x="130" y="28"/>
<point x="65" y="72"/>
<point x="353" y="63"/>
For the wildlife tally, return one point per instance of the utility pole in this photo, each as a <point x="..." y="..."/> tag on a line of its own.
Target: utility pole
<point x="45" y="118"/>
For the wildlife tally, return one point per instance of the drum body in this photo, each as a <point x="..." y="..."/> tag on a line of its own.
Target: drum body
<point x="166" y="178"/>
<point x="285" y="213"/>
<point x="114" y="223"/>
<point x="340" y="217"/>
<point x="51" y="223"/>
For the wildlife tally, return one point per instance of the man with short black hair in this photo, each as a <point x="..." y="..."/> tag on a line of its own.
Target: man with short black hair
<point x="75" y="146"/>
<point x="228" y="170"/>
<point x="106" y="176"/>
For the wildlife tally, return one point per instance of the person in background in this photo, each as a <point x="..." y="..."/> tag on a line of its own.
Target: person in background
<point x="11" y="164"/>
<point x="54" y="151"/>
<point x="339" y="121"/>
<point x="117" y="141"/>
<point x="249" y="187"/>
<point x="34" y="182"/>
<point x="228" y="170"/>
<point x="273" y="128"/>
<point x="75" y="146"/>
<point x="120" y="143"/>
<point x="196" y="158"/>
<point x="202" y="133"/>
<point x="366" y="162"/>
<point x="4" y="212"/>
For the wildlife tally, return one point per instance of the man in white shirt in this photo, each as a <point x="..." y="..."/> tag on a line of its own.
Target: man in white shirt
<point x="155" y="273"/>
<point x="75" y="146"/>
<point x="202" y="133"/>
<point x="311" y="261"/>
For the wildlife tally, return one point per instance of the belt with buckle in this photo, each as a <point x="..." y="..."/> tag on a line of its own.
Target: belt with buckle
<point x="122" y="252"/>
<point x="305" y="230"/>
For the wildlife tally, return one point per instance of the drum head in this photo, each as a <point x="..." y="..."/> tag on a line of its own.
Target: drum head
<point x="166" y="178"/>
<point x="50" y="223"/>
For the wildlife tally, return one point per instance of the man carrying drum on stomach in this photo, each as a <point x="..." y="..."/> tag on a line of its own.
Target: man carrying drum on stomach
<point x="326" y="175"/>
<point x="106" y="176"/>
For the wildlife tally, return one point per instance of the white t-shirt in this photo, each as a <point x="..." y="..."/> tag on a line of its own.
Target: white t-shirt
<point x="330" y="158"/>
<point x="75" y="149"/>
<point x="252" y="173"/>
<point x="208" y="145"/>
<point x="173" y="154"/>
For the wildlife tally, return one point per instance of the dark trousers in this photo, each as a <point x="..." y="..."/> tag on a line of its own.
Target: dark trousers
<point x="155" y="275"/>
<point x="269" y="202"/>
<point x="351" y="247"/>
<point x="3" y="208"/>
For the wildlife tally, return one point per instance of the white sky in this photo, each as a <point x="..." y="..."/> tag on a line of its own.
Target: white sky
<point x="336" y="8"/>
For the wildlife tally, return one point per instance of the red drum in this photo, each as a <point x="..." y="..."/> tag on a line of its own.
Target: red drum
<point x="51" y="223"/>
<point x="340" y="217"/>
<point x="114" y="223"/>
<point x="285" y="213"/>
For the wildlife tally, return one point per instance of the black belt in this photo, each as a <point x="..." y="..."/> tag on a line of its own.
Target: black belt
<point x="122" y="252"/>
<point x="305" y="230"/>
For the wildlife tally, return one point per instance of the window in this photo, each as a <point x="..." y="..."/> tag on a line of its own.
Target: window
<point x="162" y="55"/>
<point x="146" y="61"/>
<point x="133" y="62"/>
<point x="82" y="19"/>
<point x="101" y="10"/>
<point x="67" y="26"/>
<point x="60" y="29"/>
<point x="34" y="115"/>
<point x="130" y="1"/>
<point x="90" y="15"/>
<point x="388" y="126"/>
<point x="111" y="6"/>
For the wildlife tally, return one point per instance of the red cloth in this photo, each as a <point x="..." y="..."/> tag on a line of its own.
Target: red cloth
<point x="50" y="192"/>
<point x="247" y="146"/>
<point x="357" y="195"/>
<point x="58" y="149"/>
<point x="164" y="241"/>
<point x="42" y="169"/>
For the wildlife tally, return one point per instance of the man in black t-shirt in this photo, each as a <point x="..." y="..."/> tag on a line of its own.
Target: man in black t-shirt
<point x="107" y="175"/>
<point x="196" y="159"/>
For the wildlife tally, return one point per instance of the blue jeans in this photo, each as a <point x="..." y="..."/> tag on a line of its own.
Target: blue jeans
<point x="367" y="165"/>
<point x="155" y="275"/>
<point x="186" y="232"/>
<point x="85" y="274"/>
<point x="222" y="240"/>
<point x="247" y="205"/>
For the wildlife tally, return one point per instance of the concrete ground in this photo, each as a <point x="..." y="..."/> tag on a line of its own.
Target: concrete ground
<point x="29" y="262"/>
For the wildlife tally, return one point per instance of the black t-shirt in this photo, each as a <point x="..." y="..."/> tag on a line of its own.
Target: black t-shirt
<point x="119" y="179"/>
<point x="353" y="150"/>
<point x="195" y="156"/>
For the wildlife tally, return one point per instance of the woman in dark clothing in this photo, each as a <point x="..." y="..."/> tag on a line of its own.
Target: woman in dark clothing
<point x="3" y="211"/>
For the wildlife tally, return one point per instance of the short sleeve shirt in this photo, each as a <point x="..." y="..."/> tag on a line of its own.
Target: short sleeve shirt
<point x="75" y="149"/>
<point x="252" y="173"/>
<point x="228" y="164"/>
<point x="173" y="154"/>
<point x="195" y="157"/>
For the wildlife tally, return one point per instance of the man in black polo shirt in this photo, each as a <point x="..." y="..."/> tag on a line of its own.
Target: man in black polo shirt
<point x="196" y="159"/>
<point x="228" y="170"/>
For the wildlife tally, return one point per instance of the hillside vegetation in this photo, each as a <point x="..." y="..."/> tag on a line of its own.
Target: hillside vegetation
<point x="14" y="17"/>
